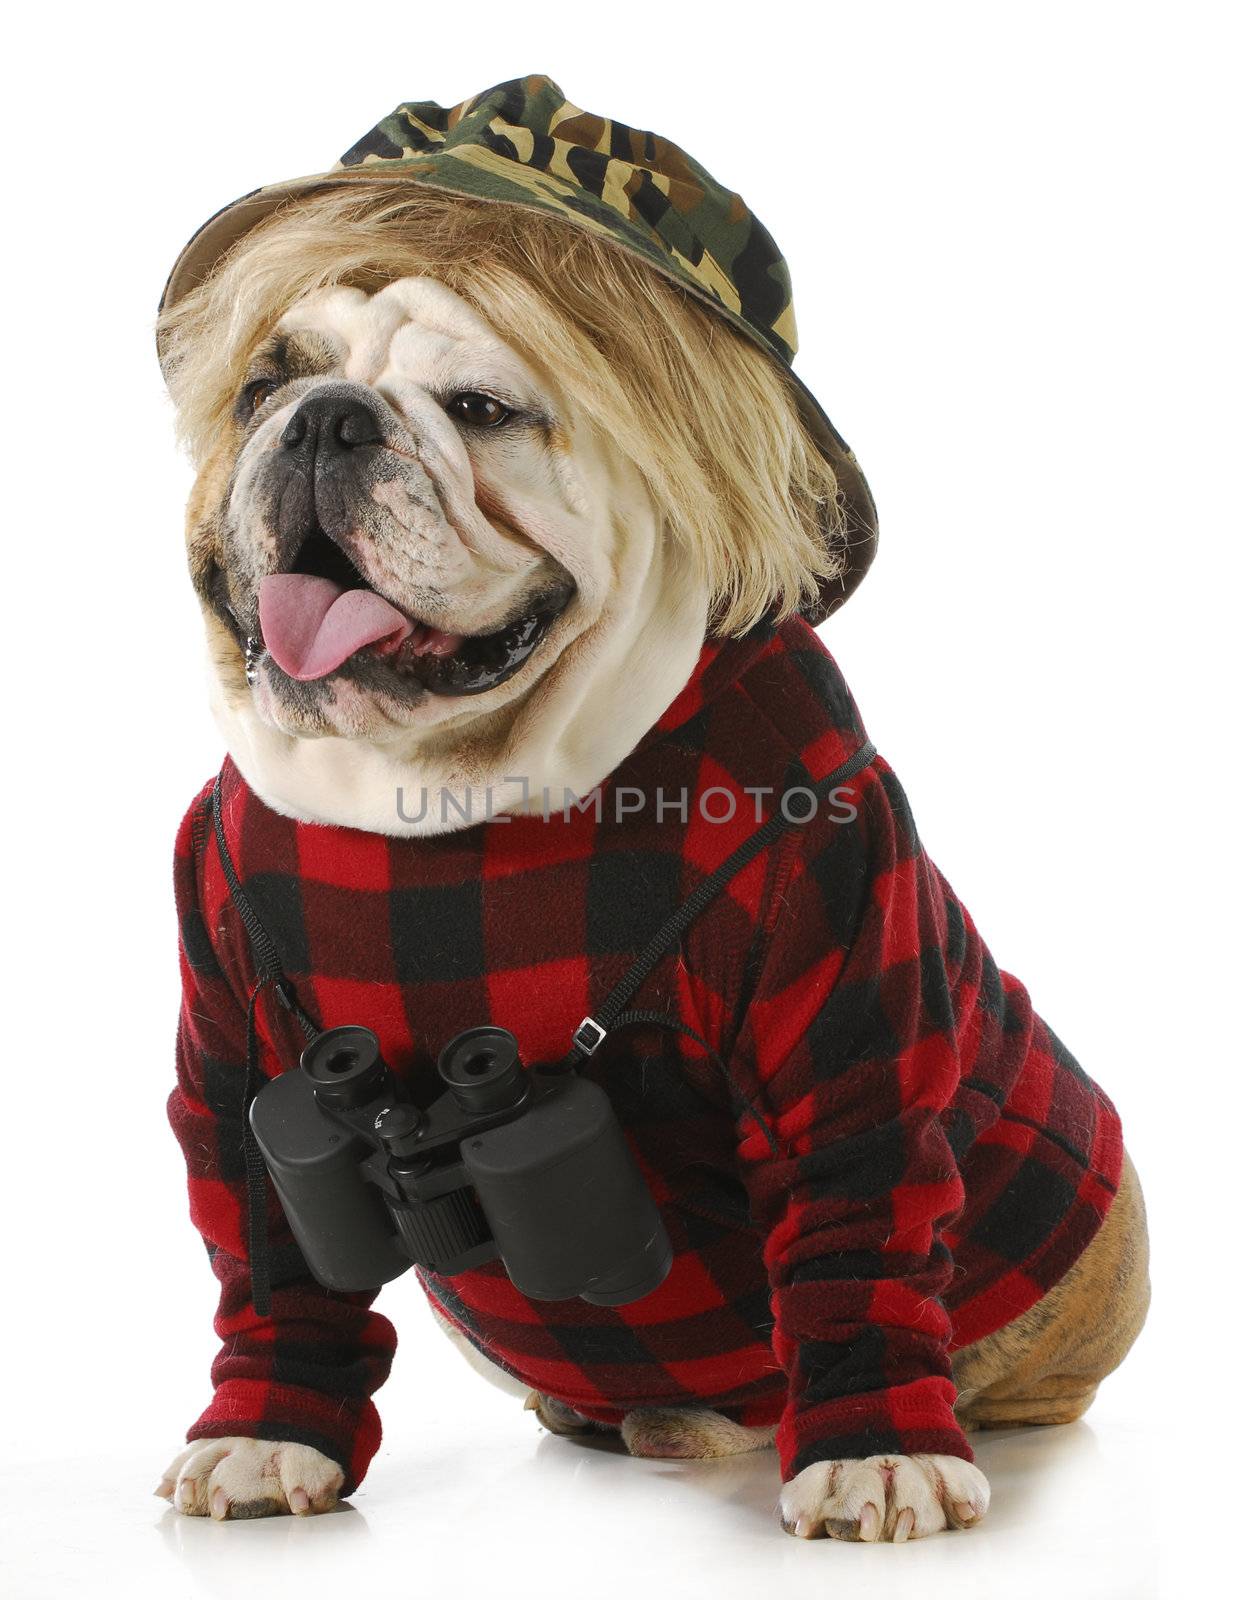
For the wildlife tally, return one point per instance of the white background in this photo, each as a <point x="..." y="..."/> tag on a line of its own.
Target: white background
<point x="1013" y="237"/>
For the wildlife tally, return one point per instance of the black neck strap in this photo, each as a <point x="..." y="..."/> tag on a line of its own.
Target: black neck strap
<point x="593" y="1029"/>
<point x="269" y="974"/>
<point x="267" y="961"/>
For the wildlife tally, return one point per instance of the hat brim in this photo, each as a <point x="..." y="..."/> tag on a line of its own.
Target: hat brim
<point x="222" y="231"/>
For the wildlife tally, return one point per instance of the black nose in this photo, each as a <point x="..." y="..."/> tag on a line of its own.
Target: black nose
<point x="330" y="424"/>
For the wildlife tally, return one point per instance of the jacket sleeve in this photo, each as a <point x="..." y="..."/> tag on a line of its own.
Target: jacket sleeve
<point x="306" y="1372"/>
<point x="849" y="1052"/>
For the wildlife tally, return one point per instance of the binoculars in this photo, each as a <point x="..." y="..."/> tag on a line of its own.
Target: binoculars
<point x="528" y="1166"/>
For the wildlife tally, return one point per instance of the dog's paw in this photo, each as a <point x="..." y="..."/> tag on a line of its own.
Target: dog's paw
<point x="689" y="1435"/>
<point x="884" y="1498"/>
<point x="236" y="1478"/>
<point x="556" y="1416"/>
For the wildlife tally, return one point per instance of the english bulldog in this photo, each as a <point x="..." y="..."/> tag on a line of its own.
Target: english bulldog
<point x="506" y="492"/>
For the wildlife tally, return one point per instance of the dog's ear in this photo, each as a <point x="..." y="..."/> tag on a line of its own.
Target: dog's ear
<point x="205" y="558"/>
<point x="203" y="535"/>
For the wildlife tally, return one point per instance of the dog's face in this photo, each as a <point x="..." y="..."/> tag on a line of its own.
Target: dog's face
<point x="406" y="526"/>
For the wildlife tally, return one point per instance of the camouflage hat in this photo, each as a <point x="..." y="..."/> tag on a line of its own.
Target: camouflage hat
<point x="523" y="143"/>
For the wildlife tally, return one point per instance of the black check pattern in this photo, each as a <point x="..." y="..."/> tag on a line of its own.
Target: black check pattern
<point x="929" y="1158"/>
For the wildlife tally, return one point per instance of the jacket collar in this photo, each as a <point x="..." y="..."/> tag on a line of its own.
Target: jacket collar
<point x="721" y="663"/>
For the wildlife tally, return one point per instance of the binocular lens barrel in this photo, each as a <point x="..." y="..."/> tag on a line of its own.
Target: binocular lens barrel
<point x="340" y="1221"/>
<point x="567" y="1204"/>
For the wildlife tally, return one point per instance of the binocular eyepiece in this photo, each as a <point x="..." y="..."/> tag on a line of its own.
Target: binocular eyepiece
<point x="527" y="1166"/>
<point x="345" y="1067"/>
<point x="481" y="1069"/>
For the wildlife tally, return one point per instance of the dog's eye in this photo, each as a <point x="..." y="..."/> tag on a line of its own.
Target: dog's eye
<point x="254" y="394"/>
<point x="478" y="410"/>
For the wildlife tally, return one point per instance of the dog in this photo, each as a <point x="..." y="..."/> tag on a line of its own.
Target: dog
<point x="510" y="528"/>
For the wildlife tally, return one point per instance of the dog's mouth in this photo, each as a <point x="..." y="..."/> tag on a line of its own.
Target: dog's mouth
<point x="322" y="617"/>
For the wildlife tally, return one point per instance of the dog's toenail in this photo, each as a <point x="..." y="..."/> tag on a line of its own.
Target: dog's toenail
<point x="300" y="1502"/>
<point x="220" y="1505"/>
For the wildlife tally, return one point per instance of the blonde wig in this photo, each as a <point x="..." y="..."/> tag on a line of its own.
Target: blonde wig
<point x="708" y="418"/>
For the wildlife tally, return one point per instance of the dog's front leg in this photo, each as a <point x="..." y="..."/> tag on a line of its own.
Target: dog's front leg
<point x="844" y="1062"/>
<point x="883" y="1498"/>
<point x="291" y="1425"/>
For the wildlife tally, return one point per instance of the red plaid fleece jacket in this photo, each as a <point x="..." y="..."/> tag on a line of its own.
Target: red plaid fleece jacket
<point x="935" y="1159"/>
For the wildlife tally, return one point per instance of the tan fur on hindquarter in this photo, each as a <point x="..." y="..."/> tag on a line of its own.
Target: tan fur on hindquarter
<point x="1045" y="1367"/>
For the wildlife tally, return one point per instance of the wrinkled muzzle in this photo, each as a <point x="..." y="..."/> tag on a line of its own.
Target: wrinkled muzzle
<point x="351" y="557"/>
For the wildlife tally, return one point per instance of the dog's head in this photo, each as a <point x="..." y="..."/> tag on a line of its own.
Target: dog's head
<point x="473" y="487"/>
<point x="407" y="518"/>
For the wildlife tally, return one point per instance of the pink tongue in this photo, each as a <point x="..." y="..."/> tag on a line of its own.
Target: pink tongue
<point x="311" y="625"/>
